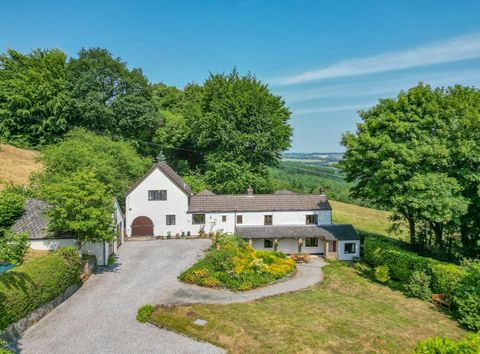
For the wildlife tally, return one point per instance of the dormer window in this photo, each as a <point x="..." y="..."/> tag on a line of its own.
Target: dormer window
<point x="157" y="195"/>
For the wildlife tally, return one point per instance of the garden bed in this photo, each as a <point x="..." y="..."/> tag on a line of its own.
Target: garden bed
<point x="232" y="264"/>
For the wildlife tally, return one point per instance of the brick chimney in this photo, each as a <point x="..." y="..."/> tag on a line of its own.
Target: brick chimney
<point x="322" y="191"/>
<point x="250" y="190"/>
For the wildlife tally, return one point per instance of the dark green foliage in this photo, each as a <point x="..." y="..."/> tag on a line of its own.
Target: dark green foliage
<point x="401" y="262"/>
<point x="421" y="275"/>
<point x="467" y="297"/>
<point x="12" y="202"/>
<point x="442" y="345"/>
<point x="144" y="312"/>
<point x="36" y="282"/>
<point x="116" y="164"/>
<point x="303" y="178"/>
<point x="418" y="155"/>
<point x="230" y="128"/>
<point x="33" y="97"/>
<point x="106" y="97"/>
<point x="419" y="286"/>
<point x="237" y="266"/>
<point x="13" y="247"/>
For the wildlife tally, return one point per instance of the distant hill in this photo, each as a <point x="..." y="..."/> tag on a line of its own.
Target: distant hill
<point x="313" y="158"/>
<point x="16" y="165"/>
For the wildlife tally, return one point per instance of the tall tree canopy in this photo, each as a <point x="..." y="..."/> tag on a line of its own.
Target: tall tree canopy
<point x="230" y="119"/>
<point x="418" y="155"/>
<point x="106" y="97"/>
<point x="115" y="164"/>
<point x="33" y="97"/>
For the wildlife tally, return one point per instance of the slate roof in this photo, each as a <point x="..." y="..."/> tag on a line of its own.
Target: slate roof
<point x="284" y="191"/>
<point x="325" y="232"/>
<point x="170" y="173"/>
<point x="33" y="221"/>
<point x="257" y="202"/>
<point x="342" y="232"/>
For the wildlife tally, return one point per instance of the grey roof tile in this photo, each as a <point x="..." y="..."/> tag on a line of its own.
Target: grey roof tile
<point x="341" y="232"/>
<point x="257" y="202"/>
<point x="33" y="221"/>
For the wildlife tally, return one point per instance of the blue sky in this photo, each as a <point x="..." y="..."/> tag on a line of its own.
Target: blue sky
<point x="328" y="59"/>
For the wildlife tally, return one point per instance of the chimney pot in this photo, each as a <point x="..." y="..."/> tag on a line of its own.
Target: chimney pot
<point x="250" y="191"/>
<point x="322" y="191"/>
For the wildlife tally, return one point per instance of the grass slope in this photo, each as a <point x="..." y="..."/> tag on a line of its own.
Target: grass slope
<point x="16" y="165"/>
<point x="363" y="219"/>
<point x="347" y="313"/>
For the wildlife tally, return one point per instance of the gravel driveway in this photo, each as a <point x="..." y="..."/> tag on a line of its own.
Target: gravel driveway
<point x="100" y="317"/>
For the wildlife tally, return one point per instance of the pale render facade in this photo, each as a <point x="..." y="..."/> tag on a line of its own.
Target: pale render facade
<point x="161" y="204"/>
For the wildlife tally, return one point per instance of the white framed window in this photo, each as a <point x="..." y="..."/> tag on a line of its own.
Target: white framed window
<point x="239" y="219"/>
<point x="268" y="219"/>
<point x="157" y="195"/>
<point x="350" y="247"/>
<point x="267" y="243"/>
<point x="311" y="219"/>
<point x="170" y="220"/>
<point x="224" y="218"/>
<point x="311" y="241"/>
<point x="198" y="219"/>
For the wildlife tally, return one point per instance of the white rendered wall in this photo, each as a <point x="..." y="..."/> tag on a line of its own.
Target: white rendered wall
<point x="137" y="204"/>
<point x="96" y="249"/>
<point x="347" y="256"/>
<point x="289" y="246"/>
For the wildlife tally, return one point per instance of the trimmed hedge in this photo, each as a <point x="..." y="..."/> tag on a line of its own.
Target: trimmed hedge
<point x="401" y="262"/>
<point x="34" y="283"/>
<point x="461" y="282"/>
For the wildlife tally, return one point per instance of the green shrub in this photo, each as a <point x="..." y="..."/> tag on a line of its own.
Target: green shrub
<point x="446" y="277"/>
<point x="401" y="262"/>
<point x="419" y="286"/>
<point x="362" y="268"/>
<point x="12" y="202"/>
<point x="13" y="247"/>
<point x="237" y="266"/>
<point x="382" y="274"/>
<point x="467" y="297"/>
<point x="36" y="282"/>
<point x="144" y="312"/>
<point x="442" y="345"/>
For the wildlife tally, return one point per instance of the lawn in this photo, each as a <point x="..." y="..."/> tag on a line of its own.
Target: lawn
<point x="347" y="313"/>
<point x="17" y="165"/>
<point x="364" y="219"/>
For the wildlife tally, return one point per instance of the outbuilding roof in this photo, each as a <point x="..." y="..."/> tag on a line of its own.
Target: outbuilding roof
<point x="33" y="221"/>
<point x="338" y="232"/>
<point x="257" y="202"/>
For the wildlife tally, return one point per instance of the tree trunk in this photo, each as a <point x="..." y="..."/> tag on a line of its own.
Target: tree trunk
<point x="438" y="232"/>
<point x="411" y="228"/>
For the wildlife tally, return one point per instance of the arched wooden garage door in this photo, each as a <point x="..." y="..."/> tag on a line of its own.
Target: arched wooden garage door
<point x="142" y="226"/>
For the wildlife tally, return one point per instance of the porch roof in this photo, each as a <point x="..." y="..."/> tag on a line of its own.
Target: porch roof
<point x="332" y="232"/>
<point x="284" y="231"/>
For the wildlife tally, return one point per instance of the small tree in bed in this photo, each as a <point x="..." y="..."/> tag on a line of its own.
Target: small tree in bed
<point x="80" y="206"/>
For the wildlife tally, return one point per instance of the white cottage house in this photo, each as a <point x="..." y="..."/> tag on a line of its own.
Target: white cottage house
<point x="162" y="204"/>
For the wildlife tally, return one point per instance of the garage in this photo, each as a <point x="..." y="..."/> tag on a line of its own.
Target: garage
<point x="142" y="226"/>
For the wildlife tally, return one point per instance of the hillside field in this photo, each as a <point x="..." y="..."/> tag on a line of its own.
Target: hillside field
<point x="16" y="165"/>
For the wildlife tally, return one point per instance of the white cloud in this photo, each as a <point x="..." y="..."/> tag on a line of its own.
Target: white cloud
<point x="459" y="48"/>
<point x="332" y="108"/>
<point x="384" y="86"/>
